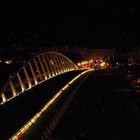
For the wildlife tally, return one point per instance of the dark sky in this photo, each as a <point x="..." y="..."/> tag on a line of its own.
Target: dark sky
<point x="102" y="24"/>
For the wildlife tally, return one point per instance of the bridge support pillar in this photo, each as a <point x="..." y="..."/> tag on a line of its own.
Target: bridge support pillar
<point x="47" y="68"/>
<point x="33" y="73"/>
<point x="3" y="98"/>
<point x="38" y="70"/>
<point x="42" y="67"/>
<point x="27" y="77"/>
<point x="13" y="89"/>
<point x="21" y="83"/>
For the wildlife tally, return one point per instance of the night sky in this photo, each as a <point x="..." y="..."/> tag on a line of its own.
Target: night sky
<point x="102" y="24"/>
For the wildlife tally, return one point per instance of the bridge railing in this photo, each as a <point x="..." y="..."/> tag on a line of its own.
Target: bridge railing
<point x="38" y="69"/>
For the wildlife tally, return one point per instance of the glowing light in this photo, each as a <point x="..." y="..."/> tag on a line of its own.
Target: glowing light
<point x="90" y="61"/>
<point x="86" y="62"/>
<point x="79" y="64"/>
<point x="102" y="64"/>
<point x="8" y="62"/>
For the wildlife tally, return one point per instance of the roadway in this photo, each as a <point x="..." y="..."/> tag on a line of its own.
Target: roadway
<point x="105" y="107"/>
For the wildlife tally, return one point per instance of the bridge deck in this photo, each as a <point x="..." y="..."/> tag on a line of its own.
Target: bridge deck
<point x="15" y="113"/>
<point x="104" y="107"/>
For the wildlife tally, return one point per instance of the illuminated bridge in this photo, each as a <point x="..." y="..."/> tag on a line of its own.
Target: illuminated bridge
<point x="50" y="90"/>
<point x="27" y="80"/>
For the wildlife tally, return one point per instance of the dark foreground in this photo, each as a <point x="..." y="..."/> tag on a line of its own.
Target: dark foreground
<point x="106" y="107"/>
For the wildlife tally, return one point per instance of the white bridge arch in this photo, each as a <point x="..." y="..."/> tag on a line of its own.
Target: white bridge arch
<point x="36" y="70"/>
